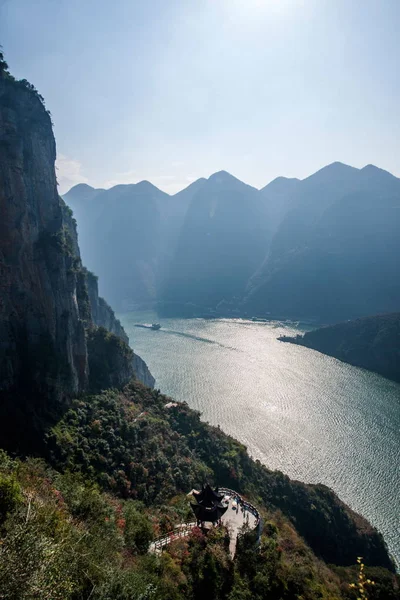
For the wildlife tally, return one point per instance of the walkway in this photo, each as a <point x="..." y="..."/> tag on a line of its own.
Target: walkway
<point x="233" y="520"/>
<point x="181" y="530"/>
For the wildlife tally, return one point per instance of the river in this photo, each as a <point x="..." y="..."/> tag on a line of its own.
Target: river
<point x="299" y="411"/>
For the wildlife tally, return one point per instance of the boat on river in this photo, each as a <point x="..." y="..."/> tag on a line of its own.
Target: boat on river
<point x="154" y="326"/>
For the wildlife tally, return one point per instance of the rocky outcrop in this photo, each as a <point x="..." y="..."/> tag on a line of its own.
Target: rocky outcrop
<point x="142" y="372"/>
<point x="43" y="347"/>
<point x="104" y="316"/>
<point x="45" y="306"/>
<point x="102" y="313"/>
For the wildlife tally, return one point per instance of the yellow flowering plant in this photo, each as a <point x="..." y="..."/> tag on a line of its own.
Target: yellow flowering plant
<point x="363" y="582"/>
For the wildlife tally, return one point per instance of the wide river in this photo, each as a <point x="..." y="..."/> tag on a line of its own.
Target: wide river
<point x="299" y="411"/>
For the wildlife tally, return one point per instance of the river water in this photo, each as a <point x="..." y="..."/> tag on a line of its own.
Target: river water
<point x="299" y="411"/>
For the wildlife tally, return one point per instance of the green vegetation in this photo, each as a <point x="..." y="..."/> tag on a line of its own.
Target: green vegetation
<point x="131" y="445"/>
<point x="372" y="343"/>
<point x="121" y="465"/>
<point x="21" y="83"/>
<point x="3" y="65"/>
<point x="92" y="277"/>
<point x="110" y="359"/>
<point x="59" y="241"/>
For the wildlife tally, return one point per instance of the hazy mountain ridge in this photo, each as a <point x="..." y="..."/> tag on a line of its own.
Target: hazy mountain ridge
<point x="222" y="241"/>
<point x="127" y="247"/>
<point x="317" y="248"/>
<point x="336" y="252"/>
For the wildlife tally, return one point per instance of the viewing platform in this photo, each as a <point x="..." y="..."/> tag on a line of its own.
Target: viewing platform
<point x="238" y="512"/>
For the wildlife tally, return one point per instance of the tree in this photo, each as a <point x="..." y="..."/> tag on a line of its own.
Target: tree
<point x="3" y="64"/>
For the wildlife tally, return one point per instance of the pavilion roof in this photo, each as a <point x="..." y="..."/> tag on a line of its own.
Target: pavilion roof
<point x="207" y="496"/>
<point x="212" y="514"/>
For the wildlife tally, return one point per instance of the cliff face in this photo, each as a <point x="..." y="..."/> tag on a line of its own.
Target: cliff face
<point x="102" y="313"/>
<point x="142" y="372"/>
<point x="104" y="316"/>
<point x="45" y="307"/>
<point x="43" y="349"/>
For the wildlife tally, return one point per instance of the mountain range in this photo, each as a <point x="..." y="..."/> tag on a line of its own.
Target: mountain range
<point x="325" y="248"/>
<point x="95" y="465"/>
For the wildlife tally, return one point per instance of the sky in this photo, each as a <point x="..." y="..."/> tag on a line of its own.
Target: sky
<point x="174" y="90"/>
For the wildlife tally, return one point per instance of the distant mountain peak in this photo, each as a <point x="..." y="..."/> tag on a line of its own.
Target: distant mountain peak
<point x="221" y="175"/>
<point x="146" y="186"/>
<point x="226" y="179"/>
<point x="281" y="183"/>
<point x="337" y="166"/>
<point x="81" y="187"/>
<point x="81" y="191"/>
<point x="332" y="172"/>
<point x="377" y="171"/>
<point x="282" y="179"/>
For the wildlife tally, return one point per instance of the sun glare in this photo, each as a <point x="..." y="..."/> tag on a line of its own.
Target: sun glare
<point x="266" y="6"/>
<point x="253" y="10"/>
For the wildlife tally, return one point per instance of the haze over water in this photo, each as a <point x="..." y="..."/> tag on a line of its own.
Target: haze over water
<point x="299" y="411"/>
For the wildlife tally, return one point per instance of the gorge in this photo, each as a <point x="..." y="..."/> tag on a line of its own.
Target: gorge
<point x="97" y="463"/>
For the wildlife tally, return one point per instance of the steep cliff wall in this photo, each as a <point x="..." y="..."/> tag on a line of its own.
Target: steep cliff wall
<point x="142" y="372"/>
<point x="43" y="349"/>
<point x="104" y="316"/>
<point x="102" y="313"/>
<point x="45" y="307"/>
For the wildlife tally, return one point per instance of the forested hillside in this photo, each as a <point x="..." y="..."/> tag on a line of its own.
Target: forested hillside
<point x="372" y="343"/>
<point x="121" y="466"/>
<point x="93" y="474"/>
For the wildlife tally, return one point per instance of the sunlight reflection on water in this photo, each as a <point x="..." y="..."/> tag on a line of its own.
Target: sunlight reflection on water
<point x="299" y="411"/>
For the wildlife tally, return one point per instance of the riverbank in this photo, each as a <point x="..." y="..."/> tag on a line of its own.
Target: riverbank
<point x="372" y="343"/>
<point x="304" y="413"/>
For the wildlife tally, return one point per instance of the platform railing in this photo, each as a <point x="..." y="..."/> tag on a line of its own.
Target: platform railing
<point x="179" y="531"/>
<point x="247" y="505"/>
<point x="184" y="529"/>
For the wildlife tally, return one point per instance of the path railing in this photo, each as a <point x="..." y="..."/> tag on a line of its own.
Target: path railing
<point x="179" y="531"/>
<point x="184" y="529"/>
<point x="247" y="505"/>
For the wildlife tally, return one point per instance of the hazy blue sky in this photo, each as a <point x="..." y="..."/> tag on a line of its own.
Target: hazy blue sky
<point x="172" y="90"/>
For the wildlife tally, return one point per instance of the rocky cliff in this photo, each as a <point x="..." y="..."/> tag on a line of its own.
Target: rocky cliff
<point x="45" y="307"/>
<point x="104" y="316"/>
<point x="142" y="372"/>
<point x="102" y="313"/>
<point x="43" y="350"/>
